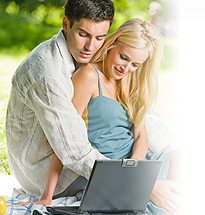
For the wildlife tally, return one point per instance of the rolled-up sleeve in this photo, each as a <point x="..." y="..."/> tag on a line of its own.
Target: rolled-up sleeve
<point x="64" y="128"/>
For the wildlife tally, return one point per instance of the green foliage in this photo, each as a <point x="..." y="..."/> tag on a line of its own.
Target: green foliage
<point x="170" y="58"/>
<point x="31" y="5"/>
<point x="4" y="92"/>
<point x="22" y="32"/>
<point x="8" y="65"/>
<point x="25" y="24"/>
<point x="4" y="167"/>
<point x="12" y="8"/>
<point x="126" y="9"/>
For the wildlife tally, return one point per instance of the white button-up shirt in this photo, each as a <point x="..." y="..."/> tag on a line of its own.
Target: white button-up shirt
<point x="41" y="119"/>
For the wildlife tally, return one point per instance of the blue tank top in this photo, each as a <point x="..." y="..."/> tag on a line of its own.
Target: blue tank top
<point x="109" y="128"/>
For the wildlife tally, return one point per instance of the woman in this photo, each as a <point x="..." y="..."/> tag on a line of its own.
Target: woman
<point x="118" y="88"/>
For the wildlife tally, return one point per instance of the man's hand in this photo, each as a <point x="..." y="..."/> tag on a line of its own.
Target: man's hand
<point x="168" y="196"/>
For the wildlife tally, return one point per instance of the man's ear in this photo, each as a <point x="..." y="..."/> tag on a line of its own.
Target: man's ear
<point x="65" y="24"/>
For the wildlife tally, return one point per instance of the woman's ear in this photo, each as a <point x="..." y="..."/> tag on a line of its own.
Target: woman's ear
<point x="65" y="24"/>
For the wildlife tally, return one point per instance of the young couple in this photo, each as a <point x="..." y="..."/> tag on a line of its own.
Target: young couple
<point x="47" y="140"/>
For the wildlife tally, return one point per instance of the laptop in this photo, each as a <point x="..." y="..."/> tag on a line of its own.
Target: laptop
<point x="116" y="187"/>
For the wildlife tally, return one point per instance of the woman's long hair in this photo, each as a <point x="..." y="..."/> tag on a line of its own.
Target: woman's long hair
<point x="137" y="91"/>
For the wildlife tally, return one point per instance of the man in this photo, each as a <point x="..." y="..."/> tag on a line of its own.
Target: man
<point x="40" y="117"/>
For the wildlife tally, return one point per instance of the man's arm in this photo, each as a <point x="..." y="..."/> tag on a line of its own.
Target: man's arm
<point x="63" y="126"/>
<point x="51" y="181"/>
<point x="82" y="80"/>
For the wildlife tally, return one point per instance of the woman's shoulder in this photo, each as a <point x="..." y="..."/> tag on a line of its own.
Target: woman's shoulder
<point x="87" y="72"/>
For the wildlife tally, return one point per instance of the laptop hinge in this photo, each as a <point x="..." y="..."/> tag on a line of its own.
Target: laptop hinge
<point x="129" y="162"/>
<point x="140" y="212"/>
<point x="85" y="213"/>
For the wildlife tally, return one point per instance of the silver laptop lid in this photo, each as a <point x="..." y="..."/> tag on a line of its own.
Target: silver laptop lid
<point x="120" y="186"/>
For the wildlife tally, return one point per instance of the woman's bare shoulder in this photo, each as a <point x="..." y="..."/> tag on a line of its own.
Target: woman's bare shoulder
<point x="87" y="72"/>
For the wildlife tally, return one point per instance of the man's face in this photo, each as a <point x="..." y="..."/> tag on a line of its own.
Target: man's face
<point x="85" y="37"/>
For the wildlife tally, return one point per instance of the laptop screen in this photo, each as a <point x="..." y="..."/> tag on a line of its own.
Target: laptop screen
<point x="120" y="186"/>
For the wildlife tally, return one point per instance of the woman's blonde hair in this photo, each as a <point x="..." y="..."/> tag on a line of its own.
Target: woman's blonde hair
<point x="137" y="91"/>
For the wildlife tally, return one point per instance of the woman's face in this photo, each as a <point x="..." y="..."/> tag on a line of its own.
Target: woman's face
<point x="122" y="60"/>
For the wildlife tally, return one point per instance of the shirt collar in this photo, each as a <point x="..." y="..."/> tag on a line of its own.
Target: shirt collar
<point x="65" y="54"/>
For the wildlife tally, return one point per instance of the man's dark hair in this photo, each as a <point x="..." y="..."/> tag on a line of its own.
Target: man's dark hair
<point x="96" y="10"/>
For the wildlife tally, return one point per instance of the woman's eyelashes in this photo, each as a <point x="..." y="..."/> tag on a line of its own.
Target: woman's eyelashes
<point x="126" y="59"/>
<point x="123" y="57"/>
<point x="135" y="65"/>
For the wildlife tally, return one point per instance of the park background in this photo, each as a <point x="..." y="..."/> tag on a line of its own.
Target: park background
<point x="25" y="24"/>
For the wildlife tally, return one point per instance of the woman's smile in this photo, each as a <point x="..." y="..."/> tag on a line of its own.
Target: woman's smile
<point x="119" y="72"/>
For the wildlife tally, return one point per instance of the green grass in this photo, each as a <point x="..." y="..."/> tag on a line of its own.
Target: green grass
<point x="8" y="64"/>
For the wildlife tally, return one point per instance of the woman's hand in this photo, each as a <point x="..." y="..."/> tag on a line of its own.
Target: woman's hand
<point x="168" y="196"/>
<point x="41" y="202"/>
